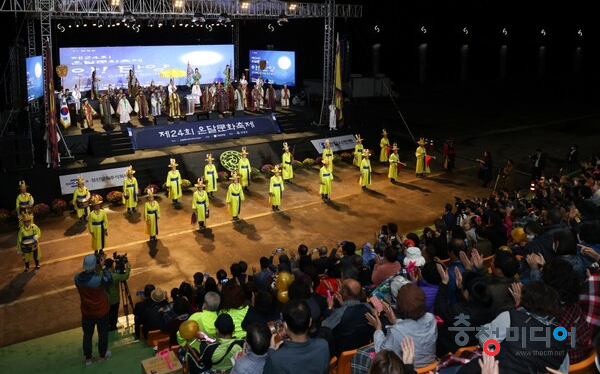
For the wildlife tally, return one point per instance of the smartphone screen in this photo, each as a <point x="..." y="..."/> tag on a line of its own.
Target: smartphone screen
<point x="278" y="329"/>
<point x="376" y="304"/>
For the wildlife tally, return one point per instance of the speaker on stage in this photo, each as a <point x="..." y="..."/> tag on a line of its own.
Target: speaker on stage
<point x="88" y="130"/>
<point x="213" y="115"/>
<point x="146" y="122"/>
<point x="160" y="120"/>
<point x="239" y="113"/>
<point x="226" y="114"/>
<point x="18" y="76"/>
<point x="191" y="118"/>
<point x="176" y="119"/>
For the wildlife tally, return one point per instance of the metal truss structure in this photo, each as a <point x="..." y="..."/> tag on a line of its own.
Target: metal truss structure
<point x="234" y="10"/>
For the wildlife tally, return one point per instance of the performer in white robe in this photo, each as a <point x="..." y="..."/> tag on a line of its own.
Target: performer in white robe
<point x="285" y="97"/>
<point x="197" y="91"/>
<point x="76" y="95"/>
<point x="238" y="98"/>
<point x="124" y="109"/>
<point x="156" y="103"/>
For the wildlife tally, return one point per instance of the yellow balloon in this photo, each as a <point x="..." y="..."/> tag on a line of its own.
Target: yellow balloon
<point x="283" y="296"/>
<point x="189" y="329"/>
<point x="284" y="279"/>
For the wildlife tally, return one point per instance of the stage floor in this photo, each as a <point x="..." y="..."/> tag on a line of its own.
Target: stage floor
<point x="48" y="302"/>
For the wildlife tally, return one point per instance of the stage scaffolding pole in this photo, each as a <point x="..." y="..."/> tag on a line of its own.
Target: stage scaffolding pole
<point x="328" y="60"/>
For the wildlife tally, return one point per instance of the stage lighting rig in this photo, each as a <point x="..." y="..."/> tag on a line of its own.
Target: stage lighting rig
<point x="128" y="17"/>
<point x="244" y="5"/>
<point x="198" y="18"/>
<point x="224" y="18"/>
<point x="178" y="4"/>
<point x="282" y="19"/>
<point x="292" y="7"/>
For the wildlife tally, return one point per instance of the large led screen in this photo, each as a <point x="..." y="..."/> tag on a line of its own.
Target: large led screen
<point x="277" y="67"/>
<point x="150" y="63"/>
<point x="35" y="77"/>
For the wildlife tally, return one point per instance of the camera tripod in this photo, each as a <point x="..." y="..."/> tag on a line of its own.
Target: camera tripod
<point x="127" y="300"/>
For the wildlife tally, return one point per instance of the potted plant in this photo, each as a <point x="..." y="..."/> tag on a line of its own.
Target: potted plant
<point x="115" y="197"/>
<point x="297" y="165"/>
<point x="4" y="215"/>
<point x="40" y="211"/>
<point x="336" y="158"/>
<point x="154" y="188"/>
<point x="185" y="185"/>
<point x="347" y="156"/>
<point x="255" y="173"/>
<point x="309" y="162"/>
<point x="266" y="169"/>
<point x="222" y="176"/>
<point x="58" y="206"/>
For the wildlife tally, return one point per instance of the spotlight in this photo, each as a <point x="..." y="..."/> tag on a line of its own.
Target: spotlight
<point x="178" y="4"/>
<point x="223" y="18"/>
<point x="128" y="17"/>
<point x="198" y="18"/>
<point x="115" y="3"/>
<point x="282" y="19"/>
<point x="580" y="33"/>
<point x="151" y="23"/>
<point x="423" y="30"/>
<point x="180" y="23"/>
<point x="245" y="5"/>
<point x="505" y="31"/>
<point x="78" y="23"/>
<point x="85" y="23"/>
<point x="543" y="32"/>
<point x="60" y="27"/>
<point x="100" y="23"/>
<point x="465" y="31"/>
<point x="160" y="23"/>
<point x="292" y="7"/>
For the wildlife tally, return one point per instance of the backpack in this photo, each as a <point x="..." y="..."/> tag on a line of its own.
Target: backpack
<point x="201" y="362"/>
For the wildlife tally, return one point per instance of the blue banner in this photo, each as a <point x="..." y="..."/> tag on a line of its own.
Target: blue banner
<point x="202" y="131"/>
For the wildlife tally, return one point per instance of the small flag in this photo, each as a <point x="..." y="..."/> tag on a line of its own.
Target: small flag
<point x="65" y="117"/>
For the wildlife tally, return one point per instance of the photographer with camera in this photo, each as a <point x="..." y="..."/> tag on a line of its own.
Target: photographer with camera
<point x="119" y="268"/>
<point x="91" y="284"/>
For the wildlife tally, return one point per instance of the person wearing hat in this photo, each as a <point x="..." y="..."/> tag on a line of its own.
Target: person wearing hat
<point x="244" y="169"/>
<point x="235" y="196"/>
<point x="328" y="155"/>
<point x="91" y="284"/>
<point x="287" y="170"/>
<point x="27" y="241"/>
<point x="87" y="115"/>
<point x="384" y="144"/>
<point x="210" y="175"/>
<point x="276" y="189"/>
<point x="98" y="224"/>
<point x="200" y="204"/>
<point x="394" y="164"/>
<point x="24" y="200"/>
<point x="413" y="254"/>
<point x="151" y="215"/>
<point x="358" y="151"/>
<point x="421" y="154"/>
<point x="365" y="170"/>
<point x="325" y="177"/>
<point x="130" y="190"/>
<point x="174" y="182"/>
<point x="81" y="195"/>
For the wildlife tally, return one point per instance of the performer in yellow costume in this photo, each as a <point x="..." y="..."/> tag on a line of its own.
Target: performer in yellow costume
<point x="358" y="150"/>
<point x="325" y="178"/>
<point x="276" y="189"/>
<point x="384" y="143"/>
<point x="27" y="241"/>
<point x="200" y="204"/>
<point x="151" y="215"/>
<point x="24" y="202"/>
<point x="286" y="164"/>
<point x="244" y="169"/>
<point x="81" y="197"/>
<point x="235" y="196"/>
<point x="394" y="164"/>
<point x="130" y="190"/>
<point x="210" y="175"/>
<point x="365" y="170"/>
<point x="328" y="155"/>
<point x="98" y="224"/>
<point x="421" y="154"/>
<point x="174" y="182"/>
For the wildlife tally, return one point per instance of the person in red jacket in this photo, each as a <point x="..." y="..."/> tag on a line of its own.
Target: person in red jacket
<point x="91" y="284"/>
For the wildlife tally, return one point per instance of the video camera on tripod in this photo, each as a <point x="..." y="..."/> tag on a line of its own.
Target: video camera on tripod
<point x="120" y="262"/>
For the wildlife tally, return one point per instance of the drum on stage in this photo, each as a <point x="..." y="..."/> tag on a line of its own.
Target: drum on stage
<point x="28" y="245"/>
<point x="82" y="203"/>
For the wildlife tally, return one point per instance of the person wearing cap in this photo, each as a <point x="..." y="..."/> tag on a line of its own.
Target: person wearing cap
<point x="151" y="215"/>
<point x="98" y="224"/>
<point x="200" y="204"/>
<point x="24" y="200"/>
<point x="29" y="232"/>
<point x="328" y="155"/>
<point x="244" y="169"/>
<point x="384" y="144"/>
<point x="325" y="177"/>
<point x="235" y="196"/>
<point x="394" y="164"/>
<point x="411" y="321"/>
<point x="276" y="189"/>
<point x="87" y="115"/>
<point x="114" y="291"/>
<point x="210" y="175"/>
<point x="421" y="154"/>
<point x="227" y="347"/>
<point x="174" y="182"/>
<point x="91" y="284"/>
<point x="130" y="190"/>
<point x="81" y="194"/>
<point x="287" y="171"/>
<point x="365" y="170"/>
<point x="358" y="151"/>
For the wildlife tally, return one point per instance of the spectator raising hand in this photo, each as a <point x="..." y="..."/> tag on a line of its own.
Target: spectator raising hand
<point x="408" y="351"/>
<point x="515" y="291"/>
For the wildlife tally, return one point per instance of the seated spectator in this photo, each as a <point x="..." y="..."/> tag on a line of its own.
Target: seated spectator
<point x="540" y="305"/>
<point x="221" y="353"/>
<point x="387" y="267"/>
<point x="233" y="302"/>
<point x="455" y="248"/>
<point x="412" y="322"/>
<point x="300" y="354"/>
<point x="258" y="339"/>
<point x="181" y="309"/>
<point x="483" y="245"/>
<point x="263" y="278"/>
<point x="235" y="270"/>
<point x="301" y="289"/>
<point x="139" y="310"/>
<point x="333" y="275"/>
<point x="322" y="263"/>
<point x="211" y="285"/>
<point x="206" y="318"/>
<point x="348" y="324"/>
<point x="199" y="292"/>
<point x="428" y="279"/>
<point x="588" y="298"/>
<point x="262" y="310"/>
<point x="304" y="258"/>
<point x="388" y="362"/>
<point x="243" y="277"/>
<point x="221" y="278"/>
<point x="504" y="269"/>
<point x="363" y="272"/>
<point x="153" y="318"/>
<point x="448" y="216"/>
<point x="186" y="290"/>
<point x="474" y="302"/>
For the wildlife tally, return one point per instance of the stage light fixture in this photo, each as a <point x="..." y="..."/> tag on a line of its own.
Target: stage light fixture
<point x="78" y="23"/>
<point x="292" y="6"/>
<point x="245" y="5"/>
<point x="505" y="31"/>
<point x="70" y="26"/>
<point x="580" y="33"/>
<point x="60" y="27"/>
<point x="160" y="23"/>
<point x="115" y="3"/>
<point x="465" y="31"/>
<point x="100" y="23"/>
<point x="178" y="4"/>
<point x="150" y="23"/>
<point x="224" y="18"/>
<point x="198" y="18"/>
<point x="282" y="19"/>
<point x="128" y="17"/>
<point x="543" y="32"/>
<point x="423" y="30"/>
<point x="180" y="23"/>
<point x="94" y="23"/>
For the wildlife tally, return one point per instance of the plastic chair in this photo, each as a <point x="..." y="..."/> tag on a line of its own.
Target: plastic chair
<point x="427" y="369"/>
<point x="586" y="366"/>
<point x="162" y="343"/>
<point x="333" y="365"/>
<point x="487" y="261"/>
<point x="344" y="362"/>
<point x="470" y="348"/>
<point x="155" y="335"/>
